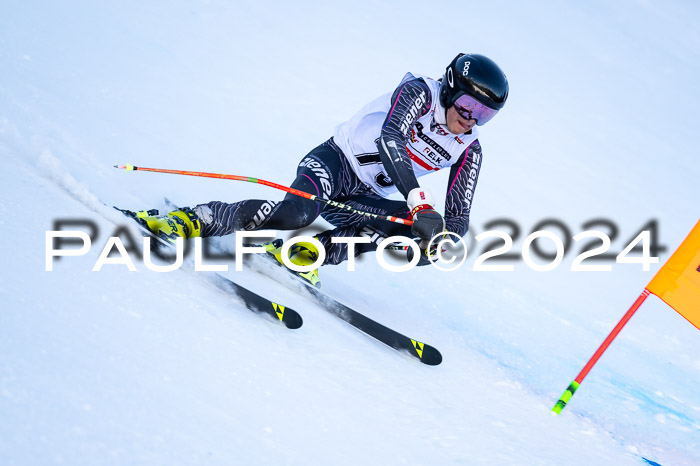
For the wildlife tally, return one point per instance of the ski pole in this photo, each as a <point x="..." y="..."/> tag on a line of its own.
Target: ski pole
<point x="249" y="179"/>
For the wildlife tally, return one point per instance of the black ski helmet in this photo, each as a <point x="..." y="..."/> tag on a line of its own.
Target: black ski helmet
<point x="476" y="75"/>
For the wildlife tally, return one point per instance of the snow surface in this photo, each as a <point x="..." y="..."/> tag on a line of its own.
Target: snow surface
<point x="119" y="367"/>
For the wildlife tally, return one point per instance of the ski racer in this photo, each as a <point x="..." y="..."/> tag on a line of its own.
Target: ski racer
<point x="425" y="125"/>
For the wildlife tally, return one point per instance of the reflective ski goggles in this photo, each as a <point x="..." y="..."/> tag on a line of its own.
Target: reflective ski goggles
<point x="471" y="109"/>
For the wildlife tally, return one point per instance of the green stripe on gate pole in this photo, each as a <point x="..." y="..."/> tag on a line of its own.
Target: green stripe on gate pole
<point x="571" y="389"/>
<point x="568" y="393"/>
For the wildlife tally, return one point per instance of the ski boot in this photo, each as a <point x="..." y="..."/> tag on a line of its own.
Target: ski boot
<point x="301" y="254"/>
<point x="182" y="223"/>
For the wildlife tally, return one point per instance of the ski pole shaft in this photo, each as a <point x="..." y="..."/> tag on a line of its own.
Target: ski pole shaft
<point x="571" y="389"/>
<point x="249" y="179"/>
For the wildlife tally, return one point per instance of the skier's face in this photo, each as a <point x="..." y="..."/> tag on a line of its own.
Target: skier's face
<point x="456" y="123"/>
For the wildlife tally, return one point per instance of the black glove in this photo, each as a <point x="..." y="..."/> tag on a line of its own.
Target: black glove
<point x="427" y="223"/>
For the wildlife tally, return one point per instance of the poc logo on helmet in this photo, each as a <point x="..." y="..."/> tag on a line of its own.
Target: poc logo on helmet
<point x="465" y="72"/>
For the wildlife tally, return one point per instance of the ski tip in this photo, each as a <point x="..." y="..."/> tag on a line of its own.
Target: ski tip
<point x="289" y="317"/>
<point x="126" y="167"/>
<point x="293" y="321"/>
<point x="431" y="356"/>
<point x="425" y="353"/>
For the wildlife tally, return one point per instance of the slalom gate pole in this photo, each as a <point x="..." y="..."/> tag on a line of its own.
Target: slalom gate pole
<point x="571" y="389"/>
<point x="249" y="179"/>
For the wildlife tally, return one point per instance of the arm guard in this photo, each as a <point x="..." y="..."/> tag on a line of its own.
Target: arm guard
<point x="411" y="100"/>
<point x="461" y="186"/>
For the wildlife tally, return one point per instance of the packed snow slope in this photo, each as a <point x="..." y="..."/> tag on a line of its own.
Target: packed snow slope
<point x="120" y="367"/>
